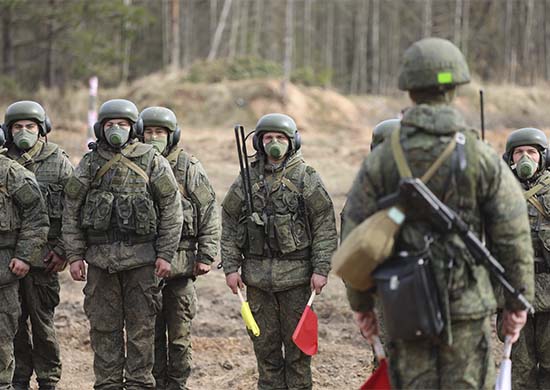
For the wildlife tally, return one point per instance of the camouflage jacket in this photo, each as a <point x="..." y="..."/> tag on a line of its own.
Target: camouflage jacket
<point x="293" y="234"/>
<point x="52" y="169"/>
<point x="23" y="217"/>
<point x="539" y="217"/>
<point x="123" y="208"/>
<point x="485" y="191"/>
<point x="200" y="233"/>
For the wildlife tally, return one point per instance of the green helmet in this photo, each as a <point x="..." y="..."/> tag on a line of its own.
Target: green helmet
<point x="432" y="62"/>
<point x="383" y="130"/>
<point x="118" y="108"/>
<point x="280" y="123"/>
<point x="163" y="117"/>
<point x="527" y="136"/>
<point x="27" y="110"/>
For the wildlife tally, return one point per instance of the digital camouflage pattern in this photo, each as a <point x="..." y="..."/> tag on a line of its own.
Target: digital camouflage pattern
<point x="23" y="233"/>
<point x="198" y="243"/>
<point x="488" y="194"/>
<point x="295" y="237"/>
<point x="39" y="291"/>
<point x="120" y="222"/>
<point x="530" y="354"/>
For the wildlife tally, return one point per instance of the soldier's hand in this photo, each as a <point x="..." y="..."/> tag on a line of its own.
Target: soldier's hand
<point x="78" y="270"/>
<point x="162" y="268"/>
<point x="19" y="267"/>
<point x="512" y="323"/>
<point x="367" y="323"/>
<point x="55" y="263"/>
<point x="201" y="269"/>
<point x="234" y="281"/>
<point x="318" y="282"/>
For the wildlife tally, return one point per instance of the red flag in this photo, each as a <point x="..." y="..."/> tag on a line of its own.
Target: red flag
<point x="379" y="380"/>
<point x="305" y="334"/>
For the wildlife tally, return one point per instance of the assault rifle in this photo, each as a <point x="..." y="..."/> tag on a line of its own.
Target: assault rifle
<point x="412" y="191"/>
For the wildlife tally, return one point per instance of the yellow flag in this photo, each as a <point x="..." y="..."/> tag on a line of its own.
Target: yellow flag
<point x="249" y="319"/>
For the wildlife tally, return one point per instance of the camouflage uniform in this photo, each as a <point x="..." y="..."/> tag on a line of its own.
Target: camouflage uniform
<point x="40" y="290"/>
<point x="123" y="211"/>
<point x="484" y="191"/>
<point x="297" y="239"/>
<point x="23" y="233"/>
<point x="199" y="242"/>
<point x="530" y="354"/>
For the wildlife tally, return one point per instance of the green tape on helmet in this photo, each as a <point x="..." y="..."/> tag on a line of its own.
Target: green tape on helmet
<point x="445" y="78"/>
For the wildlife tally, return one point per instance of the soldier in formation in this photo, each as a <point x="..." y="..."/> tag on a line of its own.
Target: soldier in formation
<point x="122" y="213"/>
<point x="27" y="125"/>
<point x="527" y="154"/>
<point x="23" y="235"/>
<point x="198" y="245"/>
<point x="472" y="180"/>
<point x="282" y="247"/>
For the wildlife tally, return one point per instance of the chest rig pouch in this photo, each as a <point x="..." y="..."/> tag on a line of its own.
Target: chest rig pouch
<point x="119" y="199"/>
<point x="9" y="218"/>
<point x="409" y="298"/>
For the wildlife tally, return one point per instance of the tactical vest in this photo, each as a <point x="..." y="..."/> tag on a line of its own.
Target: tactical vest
<point x="282" y="229"/>
<point x="44" y="160"/>
<point x="119" y="204"/>
<point x="179" y="162"/>
<point x="538" y="205"/>
<point x="10" y="222"/>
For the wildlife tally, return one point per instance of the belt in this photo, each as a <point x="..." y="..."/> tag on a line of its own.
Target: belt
<point x="110" y="236"/>
<point x="303" y="254"/>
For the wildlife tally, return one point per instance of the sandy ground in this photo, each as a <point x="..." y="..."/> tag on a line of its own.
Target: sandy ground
<point x="223" y="355"/>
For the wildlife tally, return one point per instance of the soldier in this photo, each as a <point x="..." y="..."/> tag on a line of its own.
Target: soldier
<point x="122" y="213"/>
<point x="473" y="181"/>
<point x="527" y="155"/>
<point x="284" y="251"/>
<point x="26" y="122"/>
<point x="197" y="247"/>
<point x="23" y="234"/>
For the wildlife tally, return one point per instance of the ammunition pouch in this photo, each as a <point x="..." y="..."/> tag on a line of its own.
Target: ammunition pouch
<point x="409" y="297"/>
<point x="190" y="219"/>
<point x="256" y="236"/>
<point x="9" y="218"/>
<point x="541" y="267"/>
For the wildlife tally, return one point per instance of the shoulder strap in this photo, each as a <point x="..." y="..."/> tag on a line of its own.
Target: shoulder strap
<point x="531" y="198"/>
<point x="124" y="160"/>
<point x="28" y="157"/>
<point x="403" y="166"/>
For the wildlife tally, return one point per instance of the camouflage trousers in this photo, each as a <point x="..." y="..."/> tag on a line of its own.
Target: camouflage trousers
<point x="117" y="302"/>
<point x="531" y="353"/>
<point x="281" y="365"/>
<point x="426" y="364"/>
<point x="38" y="350"/>
<point x="10" y="310"/>
<point x="173" y="353"/>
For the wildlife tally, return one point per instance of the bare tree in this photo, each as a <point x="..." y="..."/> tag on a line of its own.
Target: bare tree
<point x="234" y="28"/>
<point x="508" y="18"/>
<point x="289" y="42"/>
<point x="457" y="32"/>
<point x="213" y="17"/>
<point x="258" y="23"/>
<point x="219" y="31"/>
<point x="427" y="19"/>
<point x="8" y="55"/>
<point x="465" y="27"/>
<point x="528" y="40"/>
<point x="329" y="42"/>
<point x="308" y="31"/>
<point x="175" y="60"/>
<point x="165" y="33"/>
<point x="243" y="25"/>
<point x="126" y="45"/>
<point x="375" y="45"/>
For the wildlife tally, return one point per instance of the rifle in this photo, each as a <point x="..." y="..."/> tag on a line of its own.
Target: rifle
<point x="482" y="113"/>
<point x="245" y="168"/>
<point x="414" y="191"/>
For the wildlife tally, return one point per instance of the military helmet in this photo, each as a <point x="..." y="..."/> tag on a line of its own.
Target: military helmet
<point x="26" y="110"/>
<point x="527" y="136"/>
<point x="280" y="123"/>
<point x="118" y="108"/>
<point x="162" y="117"/>
<point x="383" y="130"/>
<point x="2" y="137"/>
<point x="432" y="63"/>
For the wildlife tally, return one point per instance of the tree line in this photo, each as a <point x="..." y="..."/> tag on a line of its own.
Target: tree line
<point x="354" y="46"/>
